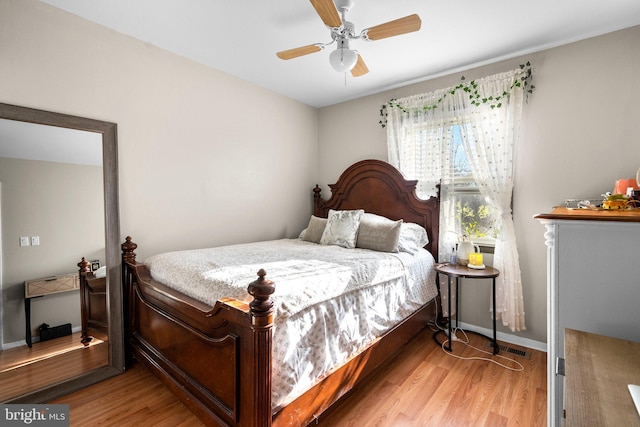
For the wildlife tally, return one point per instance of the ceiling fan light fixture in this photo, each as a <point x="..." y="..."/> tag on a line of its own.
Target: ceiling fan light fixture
<point x="333" y="14"/>
<point x="343" y="59"/>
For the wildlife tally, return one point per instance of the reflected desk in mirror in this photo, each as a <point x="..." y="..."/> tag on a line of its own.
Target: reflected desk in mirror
<point x="42" y="287"/>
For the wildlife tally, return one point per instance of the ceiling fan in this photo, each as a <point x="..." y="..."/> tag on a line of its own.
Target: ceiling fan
<point x="343" y="59"/>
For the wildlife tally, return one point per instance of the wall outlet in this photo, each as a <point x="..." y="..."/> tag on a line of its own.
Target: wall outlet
<point x="35" y="240"/>
<point x="24" y="241"/>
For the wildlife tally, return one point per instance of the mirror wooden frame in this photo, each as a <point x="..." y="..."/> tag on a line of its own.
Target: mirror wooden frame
<point x="113" y="260"/>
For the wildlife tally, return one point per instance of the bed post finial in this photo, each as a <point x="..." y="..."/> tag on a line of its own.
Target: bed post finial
<point x="317" y="200"/>
<point x="84" y="265"/>
<point x="261" y="306"/>
<point x="128" y="248"/>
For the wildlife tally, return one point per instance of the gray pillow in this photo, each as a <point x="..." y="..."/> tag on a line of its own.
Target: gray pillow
<point x="378" y="233"/>
<point x="313" y="232"/>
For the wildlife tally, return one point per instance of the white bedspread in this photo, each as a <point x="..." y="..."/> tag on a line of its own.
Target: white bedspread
<point x="329" y="302"/>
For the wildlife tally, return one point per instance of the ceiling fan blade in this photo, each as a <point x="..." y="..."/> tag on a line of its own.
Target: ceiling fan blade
<point x="298" y="51"/>
<point x="404" y="25"/>
<point x="360" y="69"/>
<point x="328" y="12"/>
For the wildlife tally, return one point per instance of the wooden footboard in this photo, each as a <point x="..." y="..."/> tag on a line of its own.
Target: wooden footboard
<point x="216" y="359"/>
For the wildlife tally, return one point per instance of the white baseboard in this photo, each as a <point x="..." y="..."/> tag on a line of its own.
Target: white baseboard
<point x="7" y="346"/>
<point x="502" y="336"/>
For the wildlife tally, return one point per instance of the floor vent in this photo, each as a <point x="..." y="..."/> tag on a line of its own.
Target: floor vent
<point x="515" y="351"/>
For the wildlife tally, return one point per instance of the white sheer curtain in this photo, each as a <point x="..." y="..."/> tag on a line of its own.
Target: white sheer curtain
<point x="489" y="137"/>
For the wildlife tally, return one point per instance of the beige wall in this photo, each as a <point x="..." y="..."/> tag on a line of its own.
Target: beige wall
<point x="580" y="132"/>
<point x="63" y="205"/>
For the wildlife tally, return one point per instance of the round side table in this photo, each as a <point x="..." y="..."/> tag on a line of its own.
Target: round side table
<point x="460" y="271"/>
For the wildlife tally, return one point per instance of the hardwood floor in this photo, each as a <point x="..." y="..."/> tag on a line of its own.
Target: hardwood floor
<point x="135" y="398"/>
<point x="24" y="369"/>
<point x="422" y="386"/>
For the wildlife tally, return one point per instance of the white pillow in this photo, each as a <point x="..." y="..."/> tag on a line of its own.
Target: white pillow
<point x="412" y="237"/>
<point x="101" y="272"/>
<point x="313" y="232"/>
<point x="342" y="228"/>
<point x="378" y="233"/>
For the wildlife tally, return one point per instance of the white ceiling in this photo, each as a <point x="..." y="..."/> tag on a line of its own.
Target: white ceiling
<point x="241" y="37"/>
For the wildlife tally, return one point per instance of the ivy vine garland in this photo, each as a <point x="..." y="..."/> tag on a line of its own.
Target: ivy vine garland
<point x="524" y="81"/>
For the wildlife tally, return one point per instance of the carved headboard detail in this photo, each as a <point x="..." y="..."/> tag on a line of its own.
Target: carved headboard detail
<point x="379" y="188"/>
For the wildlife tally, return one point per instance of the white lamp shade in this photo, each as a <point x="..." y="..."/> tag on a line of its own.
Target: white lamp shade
<point x="343" y="59"/>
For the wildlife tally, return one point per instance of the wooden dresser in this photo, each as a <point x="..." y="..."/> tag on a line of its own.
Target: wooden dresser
<point x="598" y="370"/>
<point x="593" y="283"/>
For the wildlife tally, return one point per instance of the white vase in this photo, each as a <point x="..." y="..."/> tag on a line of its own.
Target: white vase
<point x="465" y="247"/>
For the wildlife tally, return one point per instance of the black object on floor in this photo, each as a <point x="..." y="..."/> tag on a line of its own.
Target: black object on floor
<point x="47" y="333"/>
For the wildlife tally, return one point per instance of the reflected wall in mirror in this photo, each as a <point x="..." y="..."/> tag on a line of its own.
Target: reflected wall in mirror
<point x="59" y="193"/>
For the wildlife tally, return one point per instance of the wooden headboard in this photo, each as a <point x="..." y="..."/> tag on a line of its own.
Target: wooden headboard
<point x="379" y="188"/>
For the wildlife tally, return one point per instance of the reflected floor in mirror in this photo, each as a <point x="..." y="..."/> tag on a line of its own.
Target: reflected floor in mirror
<point x="39" y="365"/>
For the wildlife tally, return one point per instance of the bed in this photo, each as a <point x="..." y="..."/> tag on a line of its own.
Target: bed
<point x="222" y="355"/>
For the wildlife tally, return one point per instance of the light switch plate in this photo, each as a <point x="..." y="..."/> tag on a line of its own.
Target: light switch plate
<point x="35" y="240"/>
<point x="24" y="241"/>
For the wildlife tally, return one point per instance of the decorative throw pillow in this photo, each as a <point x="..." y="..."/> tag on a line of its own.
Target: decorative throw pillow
<point x="412" y="237"/>
<point x="378" y="233"/>
<point x="313" y="232"/>
<point x="342" y="228"/>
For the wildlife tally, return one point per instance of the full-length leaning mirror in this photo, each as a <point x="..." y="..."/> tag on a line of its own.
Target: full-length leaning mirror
<point x="58" y="203"/>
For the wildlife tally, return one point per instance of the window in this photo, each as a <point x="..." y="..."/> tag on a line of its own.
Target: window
<point x="466" y="211"/>
<point x="473" y="215"/>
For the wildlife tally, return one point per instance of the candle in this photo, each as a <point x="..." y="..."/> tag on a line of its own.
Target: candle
<point x="475" y="259"/>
